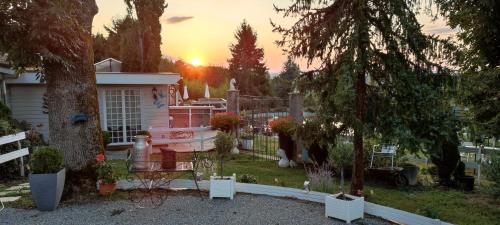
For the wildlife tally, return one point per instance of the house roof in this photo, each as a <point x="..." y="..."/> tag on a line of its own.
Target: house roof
<point x="110" y="78"/>
<point x="108" y="65"/>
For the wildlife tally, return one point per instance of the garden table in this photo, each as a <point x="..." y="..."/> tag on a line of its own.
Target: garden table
<point x="153" y="175"/>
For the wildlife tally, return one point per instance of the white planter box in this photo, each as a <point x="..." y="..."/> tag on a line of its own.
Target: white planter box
<point x="343" y="209"/>
<point x="222" y="188"/>
<point x="247" y="144"/>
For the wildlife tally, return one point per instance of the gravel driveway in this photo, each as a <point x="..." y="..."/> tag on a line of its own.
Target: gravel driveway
<point x="183" y="208"/>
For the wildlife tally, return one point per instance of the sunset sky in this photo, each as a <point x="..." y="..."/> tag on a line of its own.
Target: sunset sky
<point x="204" y="29"/>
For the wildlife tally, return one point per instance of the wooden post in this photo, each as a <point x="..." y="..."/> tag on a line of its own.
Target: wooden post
<point x="21" y="158"/>
<point x="296" y="112"/>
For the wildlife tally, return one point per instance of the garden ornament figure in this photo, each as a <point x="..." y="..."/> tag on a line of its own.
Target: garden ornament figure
<point x="307" y="187"/>
<point x="284" y="162"/>
<point x="232" y="84"/>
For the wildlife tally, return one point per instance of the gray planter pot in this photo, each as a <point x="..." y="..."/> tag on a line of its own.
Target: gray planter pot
<point x="47" y="189"/>
<point x="410" y="172"/>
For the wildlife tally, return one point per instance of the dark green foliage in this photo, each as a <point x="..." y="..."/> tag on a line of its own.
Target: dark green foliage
<point x="101" y="48"/>
<point x="149" y="29"/>
<point x="340" y="156"/>
<point x="31" y="29"/>
<point x="459" y="171"/>
<point x="493" y="173"/>
<point x="8" y="126"/>
<point x="246" y="64"/>
<point x="247" y="178"/>
<point x="167" y="65"/>
<point x="122" y="43"/>
<point x="479" y="59"/>
<point x="446" y="157"/>
<point x="106" y="138"/>
<point x="224" y="143"/>
<point x="46" y="160"/>
<point x="105" y="172"/>
<point x="379" y="74"/>
<point x="283" y="83"/>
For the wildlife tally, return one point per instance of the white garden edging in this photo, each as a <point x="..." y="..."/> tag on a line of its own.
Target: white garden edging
<point x="259" y="189"/>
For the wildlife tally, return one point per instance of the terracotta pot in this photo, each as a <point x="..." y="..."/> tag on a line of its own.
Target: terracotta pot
<point x="107" y="189"/>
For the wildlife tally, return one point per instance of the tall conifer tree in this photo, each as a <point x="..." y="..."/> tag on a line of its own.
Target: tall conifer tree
<point x="149" y="13"/>
<point x="246" y="64"/>
<point x="375" y="63"/>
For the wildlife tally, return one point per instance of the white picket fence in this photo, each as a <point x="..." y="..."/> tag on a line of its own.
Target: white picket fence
<point x="14" y="154"/>
<point x="384" y="212"/>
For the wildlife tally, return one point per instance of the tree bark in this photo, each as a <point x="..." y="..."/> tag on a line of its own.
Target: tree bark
<point x="362" y="60"/>
<point x="72" y="91"/>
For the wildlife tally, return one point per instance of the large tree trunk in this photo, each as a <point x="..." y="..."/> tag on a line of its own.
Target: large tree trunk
<point x="362" y="59"/>
<point x="72" y="91"/>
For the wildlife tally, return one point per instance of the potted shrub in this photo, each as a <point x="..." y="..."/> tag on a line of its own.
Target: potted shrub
<point x="285" y="128"/>
<point x="105" y="176"/>
<point x="46" y="178"/>
<point x="223" y="186"/>
<point x="343" y="206"/>
<point x="228" y="123"/>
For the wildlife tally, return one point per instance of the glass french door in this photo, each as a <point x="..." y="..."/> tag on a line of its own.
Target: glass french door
<point x="123" y="114"/>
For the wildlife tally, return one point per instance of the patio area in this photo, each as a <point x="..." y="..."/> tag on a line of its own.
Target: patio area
<point x="183" y="208"/>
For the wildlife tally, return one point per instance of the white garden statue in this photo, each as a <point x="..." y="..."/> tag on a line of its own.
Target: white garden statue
<point x="284" y="162"/>
<point x="232" y="84"/>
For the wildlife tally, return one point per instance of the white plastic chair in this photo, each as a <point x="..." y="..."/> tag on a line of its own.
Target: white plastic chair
<point x="386" y="150"/>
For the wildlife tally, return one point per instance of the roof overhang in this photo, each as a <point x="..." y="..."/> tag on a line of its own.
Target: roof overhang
<point x="113" y="78"/>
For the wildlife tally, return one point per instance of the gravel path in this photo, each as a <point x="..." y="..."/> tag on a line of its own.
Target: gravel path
<point x="183" y="208"/>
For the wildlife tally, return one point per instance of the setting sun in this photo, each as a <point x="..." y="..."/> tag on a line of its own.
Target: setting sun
<point x="196" y="62"/>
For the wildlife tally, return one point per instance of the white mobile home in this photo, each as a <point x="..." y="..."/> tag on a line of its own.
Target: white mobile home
<point x="128" y="102"/>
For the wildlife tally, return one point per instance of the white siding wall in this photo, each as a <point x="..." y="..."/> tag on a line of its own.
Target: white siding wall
<point x="26" y="104"/>
<point x="150" y="113"/>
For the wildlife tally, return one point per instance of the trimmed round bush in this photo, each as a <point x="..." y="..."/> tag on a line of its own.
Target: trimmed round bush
<point x="46" y="160"/>
<point x="247" y="178"/>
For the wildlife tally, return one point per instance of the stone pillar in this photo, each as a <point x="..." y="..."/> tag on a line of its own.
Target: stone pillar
<point x="233" y="106"/>
<point x="296" y="112"/>
<point x="233" y="101"/>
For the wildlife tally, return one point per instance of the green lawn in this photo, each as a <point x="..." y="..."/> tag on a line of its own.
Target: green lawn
<point x="448" y="205"/>
<point x="266" y="145"/>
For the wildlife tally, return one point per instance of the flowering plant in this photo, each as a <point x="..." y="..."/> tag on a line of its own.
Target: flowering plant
<point x="285" y="125"/>
<point x="104" y="170"/>
<point x="225" y="121"/>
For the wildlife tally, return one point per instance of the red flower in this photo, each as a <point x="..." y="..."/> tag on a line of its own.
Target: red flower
<point x="226" y="122"/>
<point x="100" y="157"/>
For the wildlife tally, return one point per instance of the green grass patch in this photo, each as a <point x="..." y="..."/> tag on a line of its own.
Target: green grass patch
<point x="447" y="205"/>
<point x="266" y="145"/>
